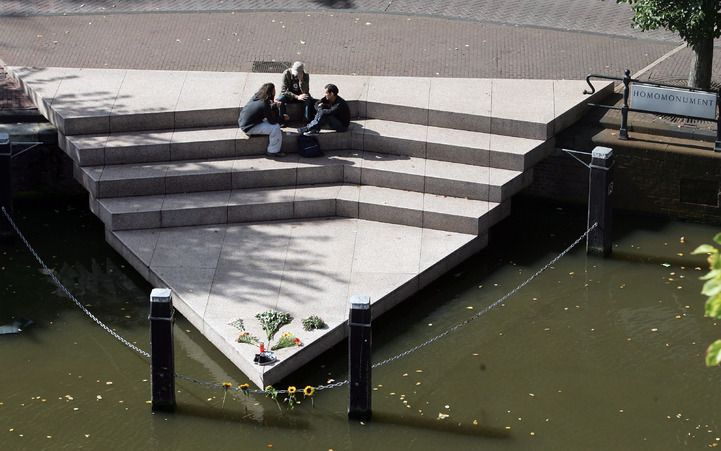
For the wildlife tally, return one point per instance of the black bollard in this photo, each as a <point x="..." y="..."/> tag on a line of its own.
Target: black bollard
<point x="6" y="188"/>
<point x="600" y="188"/>
<point x="623" y="132"/>
<point x="717" y="144"/>
<point x="162" y="364"/>
<point x="359" y="358"/>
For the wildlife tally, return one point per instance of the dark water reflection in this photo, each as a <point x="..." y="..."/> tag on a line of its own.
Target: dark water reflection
<point x="594" y="354"/>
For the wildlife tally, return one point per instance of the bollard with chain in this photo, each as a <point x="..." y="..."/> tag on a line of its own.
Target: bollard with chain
<point x="6" y="191"/>
<point x="162" y="365"/>
<point x="599" y="201"/>
<point x="359" y="358"/>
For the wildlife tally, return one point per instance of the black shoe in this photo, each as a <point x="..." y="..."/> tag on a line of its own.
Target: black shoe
<point x="312" y="131"/>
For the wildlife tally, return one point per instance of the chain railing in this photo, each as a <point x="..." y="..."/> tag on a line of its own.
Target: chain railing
<point x="328" y="386"/>
<point x="67" y="292"/>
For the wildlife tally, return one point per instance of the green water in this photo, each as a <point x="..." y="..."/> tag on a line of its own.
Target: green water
<point x="593" y="354"/>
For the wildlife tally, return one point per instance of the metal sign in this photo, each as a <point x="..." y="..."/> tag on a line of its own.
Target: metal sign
<point x="680" y="102"/>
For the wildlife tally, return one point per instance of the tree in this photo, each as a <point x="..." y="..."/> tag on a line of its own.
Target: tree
<point x="712" y="289"/>
<point x="698" y="22"/>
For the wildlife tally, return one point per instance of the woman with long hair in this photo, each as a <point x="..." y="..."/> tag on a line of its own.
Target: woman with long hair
<point x="260" y="117"/>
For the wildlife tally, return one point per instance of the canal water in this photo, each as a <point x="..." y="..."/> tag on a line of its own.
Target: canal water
<point x="593" y="354"/>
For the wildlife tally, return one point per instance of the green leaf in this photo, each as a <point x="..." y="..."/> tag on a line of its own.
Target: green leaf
<point x="715" y="261"/>
<point x="717" y="238"/>
<point x="705" y="249"/>
<point x="711" y="287"/>
<point x="711" y="274"/>
<point x="713" y="354"/>
<point x="713" y="307"/>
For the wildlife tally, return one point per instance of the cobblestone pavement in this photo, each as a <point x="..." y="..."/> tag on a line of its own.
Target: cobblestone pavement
<point x="595" y="16"/>
<point x="328" y="40"/>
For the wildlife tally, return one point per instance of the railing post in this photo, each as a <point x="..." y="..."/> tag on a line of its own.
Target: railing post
<point x="623" y="133"/>
<point x="162" y="364"/>
<point x="359" y="358"/>
<point x="6" y="187"/>
<point x="717" y="144"/>
<point x="600" y="188"/>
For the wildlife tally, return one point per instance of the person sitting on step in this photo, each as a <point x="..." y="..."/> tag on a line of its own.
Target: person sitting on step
<point x="332" y="112"/>
<point x="260" y="117"/>
<point x="296" y="89"/>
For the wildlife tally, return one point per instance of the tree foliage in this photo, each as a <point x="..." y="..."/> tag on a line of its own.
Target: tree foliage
<point x="712" y="289"/>
<point x="694" y="20"/>
<point x="698" y="22"/>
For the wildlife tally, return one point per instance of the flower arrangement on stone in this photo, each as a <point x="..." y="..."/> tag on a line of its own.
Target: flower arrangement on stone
<point x="286" y="340"/>
<point x="272" y="320"/>
<point x="313" y="322"/>
<point x="246" y="337"/>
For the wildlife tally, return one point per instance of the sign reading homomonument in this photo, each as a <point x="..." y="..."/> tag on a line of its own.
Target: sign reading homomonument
<point x="681" y="102"/>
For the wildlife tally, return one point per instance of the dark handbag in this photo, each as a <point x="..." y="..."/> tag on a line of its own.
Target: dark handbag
<point x="308" y="147"/>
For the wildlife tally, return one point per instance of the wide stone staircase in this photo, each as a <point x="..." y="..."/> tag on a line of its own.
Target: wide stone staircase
<point x="448" y="160"/>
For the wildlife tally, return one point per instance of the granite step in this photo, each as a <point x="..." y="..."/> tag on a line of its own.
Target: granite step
<point x="458" y="146"/>
<point x="300" y="202"/>
<point x="185" y="144"/>
<point x="342" y="166"/>
<point x="87" y="101"/>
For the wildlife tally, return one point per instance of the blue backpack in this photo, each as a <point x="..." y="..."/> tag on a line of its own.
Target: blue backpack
<point x="308" y="147"/>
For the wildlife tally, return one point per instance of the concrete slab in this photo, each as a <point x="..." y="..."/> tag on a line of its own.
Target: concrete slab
<point x="82" y="103"/>
<point x="303" y="267"/>
<point x="460" y="103"/>
<point x="417" y="181"/>
<point x="522" y="108"/>
<point x="147" y="100"/>
<point x="388" y="98"/>
<point x="41" y="83"/>
<point x="209" y="99"/>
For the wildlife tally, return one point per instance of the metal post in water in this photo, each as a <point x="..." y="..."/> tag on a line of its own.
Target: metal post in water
<point x="623" y="132"/>
<point x="162" y="362"/>
<point x="359" y="358"/>
<point x="6" y="188"/>
<point x="600" y="188"/>
<point x="717" y="144"/>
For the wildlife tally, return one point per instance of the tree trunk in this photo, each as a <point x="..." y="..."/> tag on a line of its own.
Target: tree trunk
<point x="700" y="75"/>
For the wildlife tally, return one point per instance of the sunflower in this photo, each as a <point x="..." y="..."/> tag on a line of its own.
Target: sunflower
<point x="227" y="385"/>
<point x="292" y="390"/>
<point x="308" y="391"/>
<point x="244" y="387"/>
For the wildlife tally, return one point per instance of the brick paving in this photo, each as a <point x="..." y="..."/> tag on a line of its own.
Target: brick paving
<point x="596" y="16"/>
<point x="336" y="40"/>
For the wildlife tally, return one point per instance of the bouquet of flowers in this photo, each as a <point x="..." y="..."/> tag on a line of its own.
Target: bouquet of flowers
<point x="286" y="341"/>
<point x="272" y="321"/>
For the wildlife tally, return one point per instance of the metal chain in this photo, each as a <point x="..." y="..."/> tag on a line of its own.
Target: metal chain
<point x="437" y="337"/>
<point x="67" y="292"/>
<point x="487" y="308"/>
<point x="453" y="328"/>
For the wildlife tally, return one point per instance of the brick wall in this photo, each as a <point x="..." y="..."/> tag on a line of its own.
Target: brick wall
<point x="654" y="175"/>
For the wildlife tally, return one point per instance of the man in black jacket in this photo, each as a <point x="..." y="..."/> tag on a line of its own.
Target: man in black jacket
<point x="332" y="112"/>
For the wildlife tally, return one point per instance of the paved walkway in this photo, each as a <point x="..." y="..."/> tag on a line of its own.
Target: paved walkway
<point x="604" y="17"/>
<point x="342" y="37"/>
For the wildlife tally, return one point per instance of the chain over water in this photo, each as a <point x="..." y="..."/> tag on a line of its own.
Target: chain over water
<point x="67" y="292"/>
<point x="453" y="328"/>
